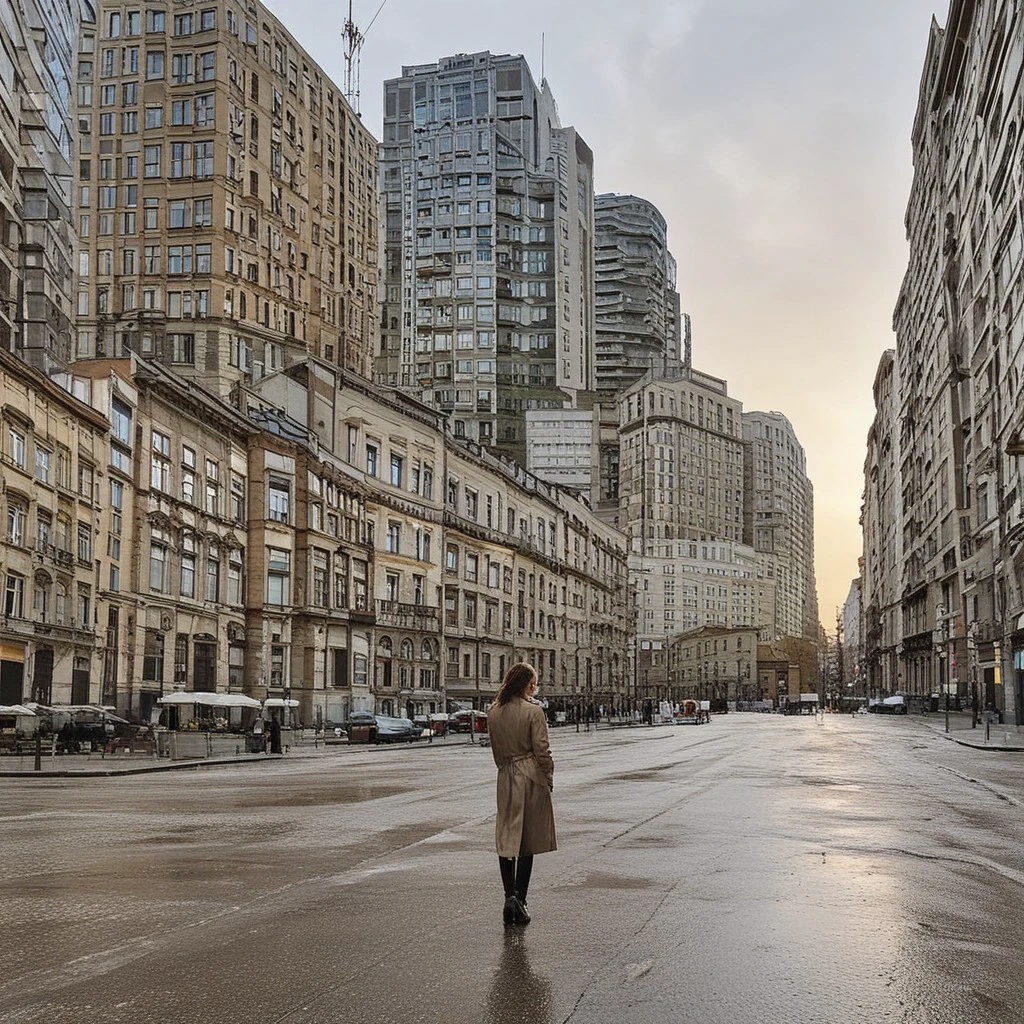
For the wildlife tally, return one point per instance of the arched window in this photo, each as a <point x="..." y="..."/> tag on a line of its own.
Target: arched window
<point x="406" y="650"/>
<point x="385" y="645"/>
<point x="427" y="650"/>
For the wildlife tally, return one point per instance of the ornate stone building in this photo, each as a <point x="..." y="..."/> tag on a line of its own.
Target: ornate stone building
<point x="944" y="544"/>
<point x="62" y="512"/>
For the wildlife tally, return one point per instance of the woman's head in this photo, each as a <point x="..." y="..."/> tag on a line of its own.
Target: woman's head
<point x="518" y="682"/>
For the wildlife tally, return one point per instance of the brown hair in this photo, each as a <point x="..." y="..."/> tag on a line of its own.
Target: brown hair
<point x="516" y="682"/>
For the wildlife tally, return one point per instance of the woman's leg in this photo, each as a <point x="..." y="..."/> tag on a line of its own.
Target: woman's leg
<point x="507" y="866"/>
<point x="524" y="868"/>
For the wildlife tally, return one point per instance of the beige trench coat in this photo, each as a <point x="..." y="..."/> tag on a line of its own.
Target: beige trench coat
<point x="519" y="743"/>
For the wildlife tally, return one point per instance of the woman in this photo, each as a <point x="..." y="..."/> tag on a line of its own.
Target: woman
<point x="526" y="822"/>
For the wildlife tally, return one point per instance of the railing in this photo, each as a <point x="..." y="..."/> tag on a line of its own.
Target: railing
<point x="407" y="616"/>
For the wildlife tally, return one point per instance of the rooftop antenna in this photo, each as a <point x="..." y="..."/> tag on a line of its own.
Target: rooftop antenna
<point x="542" y="57"/>
<point x="354" y="40"/>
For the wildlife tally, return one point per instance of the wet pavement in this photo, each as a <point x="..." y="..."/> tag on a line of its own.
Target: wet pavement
<point x="759" y="869"/>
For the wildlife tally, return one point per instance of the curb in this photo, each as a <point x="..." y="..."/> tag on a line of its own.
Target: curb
<point x="147" y="769"/>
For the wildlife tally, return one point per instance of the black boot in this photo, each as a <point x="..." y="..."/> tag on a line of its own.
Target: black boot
<point x="508" y="915"/>
<point x="520" y="915"/>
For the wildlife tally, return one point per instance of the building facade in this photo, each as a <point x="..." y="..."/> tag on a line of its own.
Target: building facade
<point x="779" y="525"/>
<point x="714" y="664"/>
<point x="637" y="318"/>
<point x="60" y="508"/>
<point x="950" y="612"/>
<point x="226" y="201"/>
<point x="488" y="255"/>
<point x="38" y="51"/>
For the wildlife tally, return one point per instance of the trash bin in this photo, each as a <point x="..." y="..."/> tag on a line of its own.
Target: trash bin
<point x="361" y="733"/>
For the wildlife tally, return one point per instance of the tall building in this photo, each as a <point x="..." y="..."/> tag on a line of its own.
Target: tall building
<point x="779" y="525"/>
<point x="881" y="525"/>
<point x="637" y="318"/>
<point x="944" y="544"/>
<point x="488" y="253"/>
<point x="38" y="48"/>
<point x="226" y="197"/>
<point x="681" y="508"/>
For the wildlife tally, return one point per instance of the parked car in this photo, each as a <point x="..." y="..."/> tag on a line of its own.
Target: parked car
<point x="890" y="706"/>
<point x="460" y="721"/>
<point x="396" y="730"/>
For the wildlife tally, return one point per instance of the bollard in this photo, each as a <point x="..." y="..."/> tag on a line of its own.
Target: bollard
<point x="988" y="723"/>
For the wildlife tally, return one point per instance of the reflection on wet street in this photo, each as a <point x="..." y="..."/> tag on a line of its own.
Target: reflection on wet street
<point x="760" y="869"/>
<point x="518" y="994"/>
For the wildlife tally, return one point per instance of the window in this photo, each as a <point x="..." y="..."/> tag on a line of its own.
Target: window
<point x="212" y="487"/>
<point x="278" y="571"/>
<point x="235" y="563"/>
<point x="451" y="559"/>
<point x="16" y="447"/>
<point x="16" y="516"/>
<point x="188" y="475"/>
<point x="237" y="498"/>
<point x="187" y="587"/>
<point x="423" y="545"/>
<point x="158" y="576"/>
<point x="396" y="470"/>
<point x="393" y="542"/>
<point x="182" y="348"/>
<point x="42" y="465"/>
<point x="151" y="162"/>
<point x="278" y="501"/>
<point x="14" y="596"/>
<point x="320" y="589"/>
<point x="160" y="467"/>
<point x="472" y="563"/>
<point x="213" y="574"/>
<point x="372" y="455"/>
<point x="154" y="64"/>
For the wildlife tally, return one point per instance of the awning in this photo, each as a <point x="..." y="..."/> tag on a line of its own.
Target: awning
<point x="214" y="700"/>
<point x="16" y="709"/>
<point x="280" y="702"/>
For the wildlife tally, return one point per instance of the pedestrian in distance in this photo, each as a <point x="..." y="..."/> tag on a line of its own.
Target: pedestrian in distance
<point x="525" y="824"/>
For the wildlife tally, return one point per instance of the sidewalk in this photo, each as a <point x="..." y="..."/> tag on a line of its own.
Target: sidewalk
<point x="97" y="765"/>
<point x="1008" y="738"/>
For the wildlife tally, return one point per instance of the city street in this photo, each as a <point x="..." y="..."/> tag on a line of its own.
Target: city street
<point x="759" y="869"/>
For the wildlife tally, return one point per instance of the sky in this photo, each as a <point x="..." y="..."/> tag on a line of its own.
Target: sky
<point x="774" y="136"/>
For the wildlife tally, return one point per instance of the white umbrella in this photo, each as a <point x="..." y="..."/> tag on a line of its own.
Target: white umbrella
<point x="216" y="700"/>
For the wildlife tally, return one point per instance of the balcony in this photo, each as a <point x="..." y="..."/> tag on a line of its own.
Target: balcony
<point x="399" y="615"/>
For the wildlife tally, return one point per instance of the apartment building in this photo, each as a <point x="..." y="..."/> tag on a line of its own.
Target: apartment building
<point x="956" y="396"/>
<point x="881" y="519"/>
<point x="60" y="508"/>
<point x="638" y="324"/>
<point x="226" y="201"/>
<point x="714" y="664"/>
<point x="38" y="51"/>
<point x="779" y="525"/>
<point x="681" y="462"/>
<point x="476" y="563"/>
<point x="488" y="254"/>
